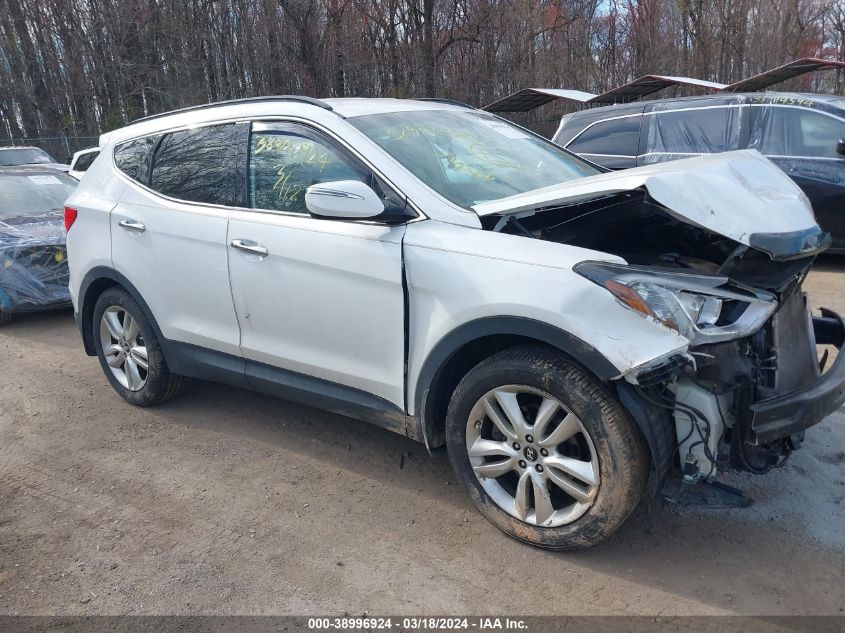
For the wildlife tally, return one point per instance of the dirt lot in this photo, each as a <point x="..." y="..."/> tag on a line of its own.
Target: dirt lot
<point x="225" y="502"/>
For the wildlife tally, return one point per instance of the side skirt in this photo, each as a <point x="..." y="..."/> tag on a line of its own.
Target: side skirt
<point x="197" y="362"/>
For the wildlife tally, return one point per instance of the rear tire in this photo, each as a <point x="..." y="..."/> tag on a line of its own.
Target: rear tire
<point x="5" y="317"/>
<point x="129" y="351"/>
<point x="554" y="459"/>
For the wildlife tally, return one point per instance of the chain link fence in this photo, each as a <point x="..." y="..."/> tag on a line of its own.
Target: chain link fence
<point x="62" y="147"/>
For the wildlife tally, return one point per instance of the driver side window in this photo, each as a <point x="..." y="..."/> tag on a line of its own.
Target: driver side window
<point x="283" y="164"/>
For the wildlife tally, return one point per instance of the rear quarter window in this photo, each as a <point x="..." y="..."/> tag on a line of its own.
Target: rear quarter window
<point x="133" y="157"/>
<point x="84" y="161"/>
<point x="194" y="165"/>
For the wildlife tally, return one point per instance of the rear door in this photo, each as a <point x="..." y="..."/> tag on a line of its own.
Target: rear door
<point x="320" y="298"/>
<point x="169" y="231"/>
<point x="802" y="142"/>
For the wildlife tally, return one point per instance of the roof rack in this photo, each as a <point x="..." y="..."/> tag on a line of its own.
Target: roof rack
<point x="447" y="101"/>
<point x="300" y="99"/>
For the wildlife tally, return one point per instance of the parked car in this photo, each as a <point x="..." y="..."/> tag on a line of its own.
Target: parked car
<point x="82" y="161"/>
<point x="33" y="260"/>
<point x="28" y="155"/>
<point x="803" y="134"/>
<point x="452" y="277"/>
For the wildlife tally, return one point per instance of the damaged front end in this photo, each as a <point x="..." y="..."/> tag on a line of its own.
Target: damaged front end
<point x="750" y="381"/>
<point x="716" y="249"/>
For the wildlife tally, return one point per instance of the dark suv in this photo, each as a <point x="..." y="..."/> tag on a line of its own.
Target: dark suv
<point x="801" y="133"/>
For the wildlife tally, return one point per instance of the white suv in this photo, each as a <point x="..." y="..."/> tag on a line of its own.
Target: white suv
<point x="452" y="277"/>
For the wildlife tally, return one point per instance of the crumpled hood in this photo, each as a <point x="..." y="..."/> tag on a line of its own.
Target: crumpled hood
<point x="741" y="195"/>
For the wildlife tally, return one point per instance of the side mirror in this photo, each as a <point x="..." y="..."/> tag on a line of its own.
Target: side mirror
<point x="344" y="200"/>
<point x="840" y="147"/>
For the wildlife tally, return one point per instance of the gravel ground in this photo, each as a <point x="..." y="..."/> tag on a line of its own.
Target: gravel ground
<point x="229" y="502"/>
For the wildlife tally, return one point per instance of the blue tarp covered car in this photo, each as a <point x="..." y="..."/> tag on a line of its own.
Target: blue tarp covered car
<point x="33" y="259"/>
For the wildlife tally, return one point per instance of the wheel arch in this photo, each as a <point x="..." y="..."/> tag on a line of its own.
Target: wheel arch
<point x="95" y="282"/>
<point x="470" y="343"/>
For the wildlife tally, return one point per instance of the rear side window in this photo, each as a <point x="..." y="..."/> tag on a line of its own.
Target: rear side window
<point x="282" y="164"/>
<point x="616" y="137"/>
<point x="194" y="165"/>
<point x="84" y="161"/>
<point x="780" y="131"/>
<point x="133" y="157"/>
<point x="692" y="131"/>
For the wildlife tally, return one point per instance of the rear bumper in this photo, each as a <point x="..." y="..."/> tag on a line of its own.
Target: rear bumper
<point x="793" y="412"/>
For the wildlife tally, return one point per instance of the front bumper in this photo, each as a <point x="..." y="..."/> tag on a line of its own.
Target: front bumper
<point x="793" y="412"/>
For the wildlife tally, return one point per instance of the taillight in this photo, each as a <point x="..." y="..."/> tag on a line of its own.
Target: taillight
<point x="70" y="218"/>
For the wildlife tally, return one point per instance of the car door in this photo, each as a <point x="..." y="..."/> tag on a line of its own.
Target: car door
<point x="320" y="299"/>
<point x="802" y="142"/>
<point x="169" y="230"/>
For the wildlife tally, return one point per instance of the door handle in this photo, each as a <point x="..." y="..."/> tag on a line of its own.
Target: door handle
<point x="250" y="247"/>
<point x="132" y="225"/>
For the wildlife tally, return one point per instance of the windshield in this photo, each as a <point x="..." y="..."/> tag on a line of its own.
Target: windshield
<point x="471" y="157"/>
<point x="26" y="156"/>
<point x="33" y="194"/>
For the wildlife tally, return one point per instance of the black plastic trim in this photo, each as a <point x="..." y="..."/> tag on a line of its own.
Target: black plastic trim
<point x="330" y="396"/>
<point x="86" y="303"/>
<point x="193" y="361"/>
<point x="790" y="413"/>
<point x="450" y="344"/>
<point x="655" y="424"/>
<point x="792" y="245"/>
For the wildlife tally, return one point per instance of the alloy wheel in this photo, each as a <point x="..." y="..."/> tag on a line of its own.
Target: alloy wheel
<point x="532" y="455"/>
<point x="124" y="348"/>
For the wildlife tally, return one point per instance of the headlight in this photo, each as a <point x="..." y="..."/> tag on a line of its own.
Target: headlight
<point x="702" y="308"/>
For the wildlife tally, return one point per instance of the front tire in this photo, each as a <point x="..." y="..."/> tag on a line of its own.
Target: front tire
<point x="129" y="351"/>
<point x="5" y="317"/>
<point x="544" y="450"/>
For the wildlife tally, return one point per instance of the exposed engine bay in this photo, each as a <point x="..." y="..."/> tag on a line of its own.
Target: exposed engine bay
<point x="752" y="339"/>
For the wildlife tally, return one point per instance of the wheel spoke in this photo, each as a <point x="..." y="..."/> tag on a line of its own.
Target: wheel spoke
<point x="543" y="509"/>
<point x="114" y="355"/>
<point x="491" y="470"/>
<point x="527" y="459"/>
<point x="503" y="425"/>
<point x="130" y="328"/>
<point x="490" y="448"/>
<point x="510" y="405"/>
<point x="521" y="496"/>
<point x="545" y="413"/>
<point x="568" y="427"/>
<point x="133" y="378"/>
<point x="582" y="471"/>
<point x="139" y="355"/>
<point x="569" y="487"/>
<point x="113" y="324"/>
